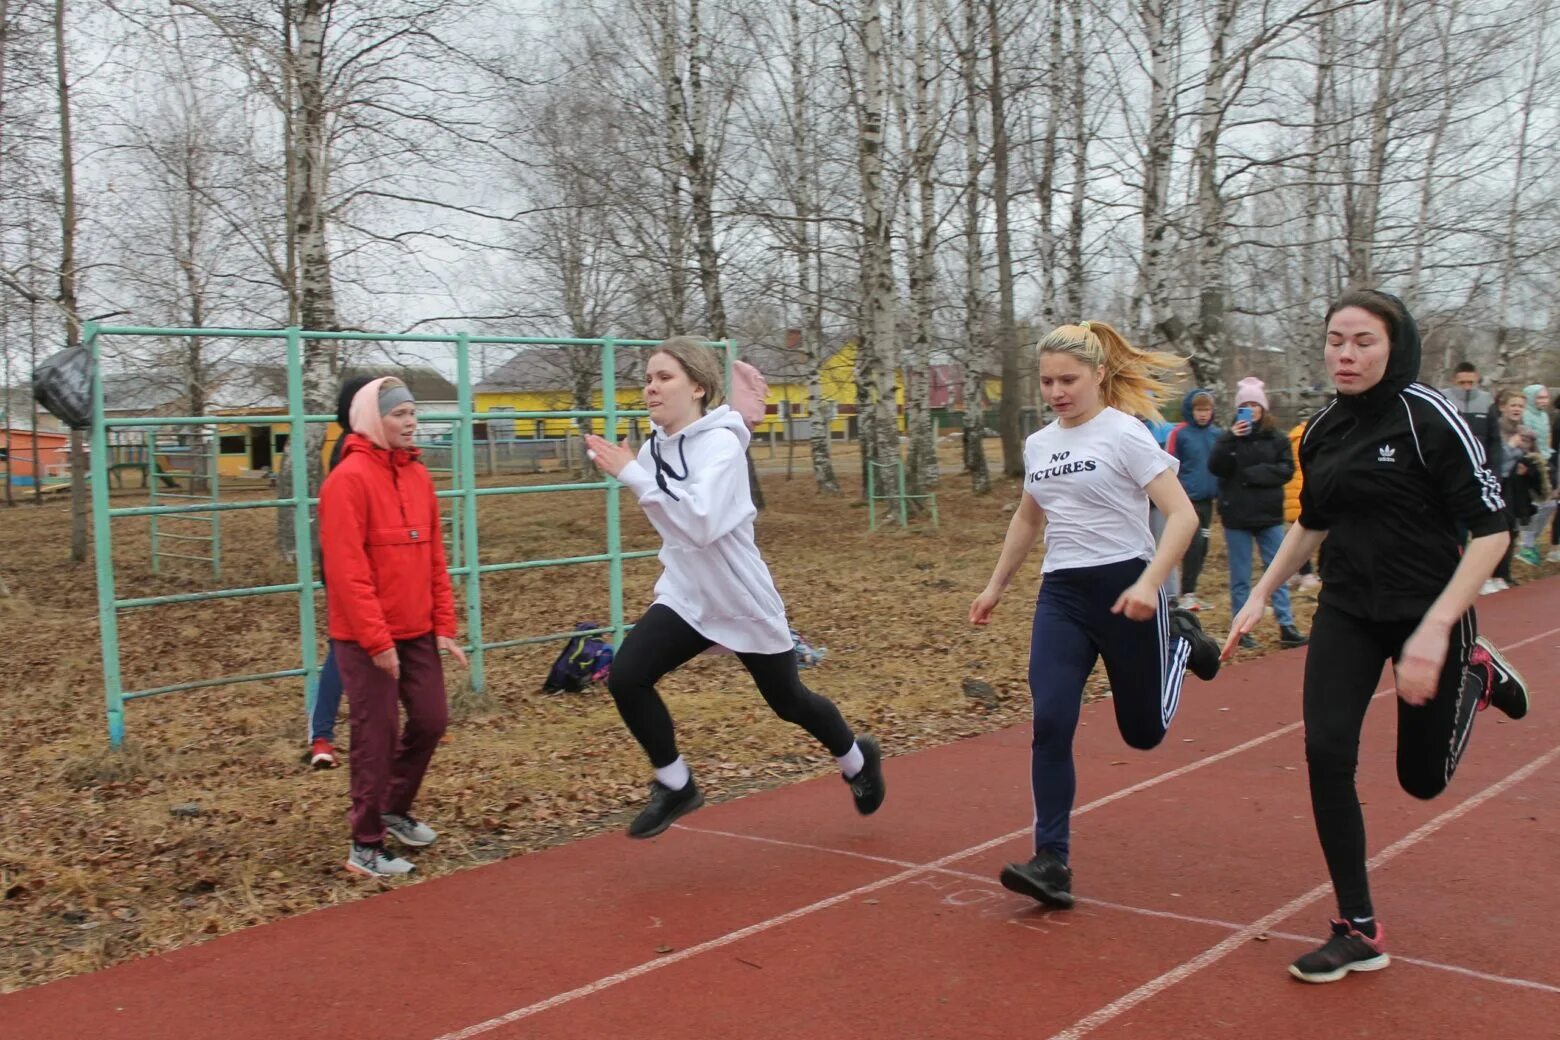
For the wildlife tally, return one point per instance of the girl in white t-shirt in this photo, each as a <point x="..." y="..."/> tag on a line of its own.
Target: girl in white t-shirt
<point x="1089" y="479"/>
<point x="691" y="479"/>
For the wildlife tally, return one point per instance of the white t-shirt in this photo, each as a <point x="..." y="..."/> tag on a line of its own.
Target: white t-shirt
<point x="1089" y="479"/>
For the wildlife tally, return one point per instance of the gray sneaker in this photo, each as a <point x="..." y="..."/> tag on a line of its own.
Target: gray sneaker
<point x="408" y="831"/>
<point x="374" y="861"/>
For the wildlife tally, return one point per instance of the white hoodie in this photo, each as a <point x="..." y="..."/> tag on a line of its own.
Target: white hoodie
<point x="714" y="578"/>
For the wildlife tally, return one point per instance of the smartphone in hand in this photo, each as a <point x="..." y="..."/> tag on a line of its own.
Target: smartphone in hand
<point x="1244" y="414"/>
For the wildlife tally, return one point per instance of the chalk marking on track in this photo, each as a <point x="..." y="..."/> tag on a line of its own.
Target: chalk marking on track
<point x="1140" y="911"/>
<point x="608" y="981"/>
<point x="1218" y="952"/>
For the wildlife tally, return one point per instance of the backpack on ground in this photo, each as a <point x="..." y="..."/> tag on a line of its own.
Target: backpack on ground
<point x="583" y="662"/>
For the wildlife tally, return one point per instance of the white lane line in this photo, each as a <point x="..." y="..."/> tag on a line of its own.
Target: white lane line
<point x="1216" y="953"/>
<point x="608" y="981"/>
<point x="1168" y="915"/>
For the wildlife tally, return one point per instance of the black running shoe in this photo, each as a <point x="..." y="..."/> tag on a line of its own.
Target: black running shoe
<point x="1348" y="950"/>
<point x="867" y="786"/>
<point x="1204" y="659"/>
<point x="1045" y="877"/>
<point x="1505" y="687"/>
<point x="666" y="805"/>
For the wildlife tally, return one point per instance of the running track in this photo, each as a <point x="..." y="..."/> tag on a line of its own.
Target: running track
<point x="784" y="915"/>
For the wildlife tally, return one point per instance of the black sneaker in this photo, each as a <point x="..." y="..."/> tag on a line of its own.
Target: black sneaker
<point x="1045" y="877"/>
<point x="1248" y="642"/>
<point x="867" y="786"/>
<point x="1348" y="950"/>
<point x="1505" y="687"/>
<point x="1290" y="637"/>
<point x="666" y="805"/>
<point x="1204" y="658"/>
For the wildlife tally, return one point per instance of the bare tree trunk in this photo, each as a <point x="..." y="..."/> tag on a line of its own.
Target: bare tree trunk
<point x="316" y="290"/>
<point x="1161" y="21"/>
<point x="974" y="260"/>
<point x="1010" y="410"/>
<point x="1363" y="216"/>
<point x="1045" y="188"/>
<point x="1514" y="214"/>
<point x="1209" y="352"/>
<point x="676" y="306"/>
<point x="78" y="455"/>
<point x="922" y="472"/>
<point x="1312" y="286"/>
<point x="1080" y="171"/>
<point x="5" y="312"/>
<point x="809" y="259"/>
<point x="879" y="356"/>
<point x="702" y="168"/>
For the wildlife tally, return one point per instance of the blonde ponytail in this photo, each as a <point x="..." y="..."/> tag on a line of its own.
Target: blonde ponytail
<point x="1133" y="380"/>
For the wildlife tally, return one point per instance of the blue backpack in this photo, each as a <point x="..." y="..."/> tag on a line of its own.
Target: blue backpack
<point x="584" y="661"/>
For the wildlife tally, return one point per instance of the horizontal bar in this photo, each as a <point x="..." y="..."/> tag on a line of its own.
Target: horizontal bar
<point x="226" y="680"/>
<point x="197" y="597"/>
<point x="369" y="337"/>
<point x="526" y="489"/>
<point x="211" y="420"/>
<point x="531" y="641"/>
<point x="263" y="503"/>
<point x="182" y="556"/>
<point x="567" y="561"/>
<point x="179" y="494"/>
<point x="186" y="537"/>
<point x="500" y="414"/>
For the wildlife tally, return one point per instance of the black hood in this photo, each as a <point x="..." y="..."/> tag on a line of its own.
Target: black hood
<point x="349" y="390"/>
<point x="1402" y="365"/>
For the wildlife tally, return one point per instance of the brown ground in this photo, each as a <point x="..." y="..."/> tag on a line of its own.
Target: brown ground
<point x="207" y="822"/>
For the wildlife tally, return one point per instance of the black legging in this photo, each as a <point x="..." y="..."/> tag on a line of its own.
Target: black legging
<point x="1197" y="552"/>
<point x="662" y="641"/>
<point x="1342" y="667"/>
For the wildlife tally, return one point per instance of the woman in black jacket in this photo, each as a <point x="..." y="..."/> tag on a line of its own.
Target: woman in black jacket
<point x="1253" y="463"/>
<point x="1391" y="472"/>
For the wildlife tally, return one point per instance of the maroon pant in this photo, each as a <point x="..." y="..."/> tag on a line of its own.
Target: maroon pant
<point x="386" y="772"/>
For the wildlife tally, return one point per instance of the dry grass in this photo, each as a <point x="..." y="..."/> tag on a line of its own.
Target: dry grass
<point x="96" y="869"/>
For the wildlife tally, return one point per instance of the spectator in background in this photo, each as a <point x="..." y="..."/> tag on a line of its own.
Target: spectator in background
<point x="1535" y="417"/>
<point x="1474" y="403"/>
<point x="1306" y="580"/>
<point x="1191" y="443"/>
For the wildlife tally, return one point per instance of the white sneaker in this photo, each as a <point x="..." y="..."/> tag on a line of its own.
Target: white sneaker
<point x="374" y="861"/>
<point x="1489" y="587"/>
<point x="1502" y="585"/>
<point x="408" y="831"/>
<point x="1554" y="555"/>
<point x="1309" y="582"/>
<point x="1189" y="602"/>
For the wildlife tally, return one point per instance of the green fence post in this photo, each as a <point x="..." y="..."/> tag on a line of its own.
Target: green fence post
<point x="303" y="535"/>
<point x="899" y="472"/>
<point x="151" y="492"/>
<point x="466" y="474"/>
<point x="103" y="548"/>
<point x="215" y="472"/>
<point x="609" y="421"/>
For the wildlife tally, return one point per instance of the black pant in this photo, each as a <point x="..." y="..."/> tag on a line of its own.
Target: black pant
<point x="1342" y="669"/>
<point x="1197" y="552"/>
<point x="662" y="641"/>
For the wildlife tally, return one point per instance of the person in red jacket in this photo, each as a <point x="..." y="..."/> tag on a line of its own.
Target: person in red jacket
<point x="391" y="613"/>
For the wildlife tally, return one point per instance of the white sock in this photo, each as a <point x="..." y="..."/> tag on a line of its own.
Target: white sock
<point x="852" y="761"/>
<point x="675" y="776"/>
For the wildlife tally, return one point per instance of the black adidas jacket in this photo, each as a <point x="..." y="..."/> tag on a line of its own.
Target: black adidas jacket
<point x="1389" y="475"/>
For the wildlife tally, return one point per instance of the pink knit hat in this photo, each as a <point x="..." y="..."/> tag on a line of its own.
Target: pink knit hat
<point x="1251" y="391"/>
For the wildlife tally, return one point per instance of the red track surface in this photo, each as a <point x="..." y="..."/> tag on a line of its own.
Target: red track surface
<point x="785" y="915"/>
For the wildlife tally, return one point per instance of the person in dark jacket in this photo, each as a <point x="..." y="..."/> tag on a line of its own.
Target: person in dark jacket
<point x="1191" y="442"/>
<point x="326" y="701"/>
<point x="1391" y="470"/>
<point x="1252" y="462"/>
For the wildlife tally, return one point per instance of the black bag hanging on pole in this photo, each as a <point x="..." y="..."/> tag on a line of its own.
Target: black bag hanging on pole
<point x="63" y="385"/>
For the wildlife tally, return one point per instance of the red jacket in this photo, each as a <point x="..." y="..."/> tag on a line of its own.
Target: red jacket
<point x="385" y="573"/>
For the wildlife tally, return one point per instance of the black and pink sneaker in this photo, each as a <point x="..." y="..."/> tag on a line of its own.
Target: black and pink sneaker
<point x="1348" y="950"/>
<point x="1504" y="686"/>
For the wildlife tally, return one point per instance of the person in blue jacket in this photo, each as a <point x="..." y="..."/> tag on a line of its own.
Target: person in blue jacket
<point x="1191" y="441"/>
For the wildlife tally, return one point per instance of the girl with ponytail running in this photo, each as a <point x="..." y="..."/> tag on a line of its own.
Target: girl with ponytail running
<point x="1089" y="478"/>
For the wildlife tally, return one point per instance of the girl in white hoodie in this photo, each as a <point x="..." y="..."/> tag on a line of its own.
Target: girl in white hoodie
<point x="691" y="478"/>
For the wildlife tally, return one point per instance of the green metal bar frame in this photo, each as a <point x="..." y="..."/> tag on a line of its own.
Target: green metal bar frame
<point x="464" y="493"/>
<point x="903" y="499"/>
